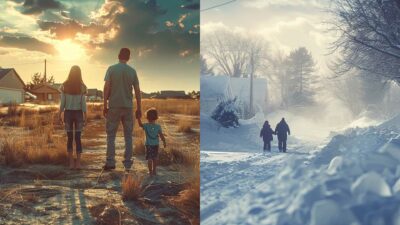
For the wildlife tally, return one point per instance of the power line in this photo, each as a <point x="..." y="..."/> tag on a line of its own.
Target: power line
<point x="219" y="5"/>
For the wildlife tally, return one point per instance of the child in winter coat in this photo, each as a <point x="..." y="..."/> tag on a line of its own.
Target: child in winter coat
<point x="266" y="133"/>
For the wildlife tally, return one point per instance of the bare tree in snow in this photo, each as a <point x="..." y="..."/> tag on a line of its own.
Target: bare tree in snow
<point x="204" y="67"/>
<point x="369" y="37"/>
<point x="235" y="54"/>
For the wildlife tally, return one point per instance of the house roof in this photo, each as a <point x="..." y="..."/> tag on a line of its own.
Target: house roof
<point x="57" y="85"/>
<point x="5" y="71"/>
<point x="172" y="92"/>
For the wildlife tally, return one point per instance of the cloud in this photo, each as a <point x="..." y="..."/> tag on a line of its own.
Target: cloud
<point x="192" y="6"/>
<point x="212" y="27"/>
<point x="145" y="28"/>
<point x="259" y="4"/>
<point x="155" y="31"/>
<point x="34" y="7"/>
<point x="25" y="42"/>
<point x="70" y="28"/>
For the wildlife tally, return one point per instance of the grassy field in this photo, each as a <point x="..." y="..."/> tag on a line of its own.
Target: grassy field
<point x="32" y="139"/>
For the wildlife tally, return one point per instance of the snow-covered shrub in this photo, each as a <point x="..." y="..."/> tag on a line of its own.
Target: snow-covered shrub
<point x="226" y="113"/>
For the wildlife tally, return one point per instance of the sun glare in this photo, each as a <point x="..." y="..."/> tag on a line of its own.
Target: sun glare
<point x="68" y="50"/>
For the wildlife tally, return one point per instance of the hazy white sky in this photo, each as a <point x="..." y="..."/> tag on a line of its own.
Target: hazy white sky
<point x="285" y="24"/>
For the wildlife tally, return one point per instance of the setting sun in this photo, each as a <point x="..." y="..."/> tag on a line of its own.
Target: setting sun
<point x="68" y="50"/>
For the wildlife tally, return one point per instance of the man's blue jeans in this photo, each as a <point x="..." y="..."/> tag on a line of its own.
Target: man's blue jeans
<point x="114" y="117"/>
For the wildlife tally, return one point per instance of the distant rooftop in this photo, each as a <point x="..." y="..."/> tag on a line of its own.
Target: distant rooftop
<point x="4" y="71"/>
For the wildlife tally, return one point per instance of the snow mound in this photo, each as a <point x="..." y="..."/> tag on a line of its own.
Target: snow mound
<point x="328" y="212"/>
<point x="371" y="182"/>
<point x="335" y="165"/>
<point x="214" y="137"/>
<point x="353" y="180"/>
<point x="396" y="186"/>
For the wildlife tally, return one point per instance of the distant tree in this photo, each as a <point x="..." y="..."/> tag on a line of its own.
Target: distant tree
<point x="194" y="94"/>
<point x="235" y="54"/>
<point x="349" y="91"/>
<point x="204" y="68"/>
<point x="277" y="77"/>
<point x="38" y="78"/>
<point x="228" y="51"/>
<point x="360" y="92"/>
<point x="300" y="77"/>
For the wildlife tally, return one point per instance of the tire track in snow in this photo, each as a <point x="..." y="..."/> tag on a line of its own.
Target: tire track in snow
<point x="217" y="194"/>
<point x="227" y="190"/>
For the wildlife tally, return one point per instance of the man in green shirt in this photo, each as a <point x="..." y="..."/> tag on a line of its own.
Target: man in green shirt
<point x="120" y="79"/>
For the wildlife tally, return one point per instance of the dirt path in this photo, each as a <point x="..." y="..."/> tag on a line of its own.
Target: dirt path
<point x="43" y="194"/>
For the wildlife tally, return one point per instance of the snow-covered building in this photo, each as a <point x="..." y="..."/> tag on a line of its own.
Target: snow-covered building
<point x="216" y="88"/>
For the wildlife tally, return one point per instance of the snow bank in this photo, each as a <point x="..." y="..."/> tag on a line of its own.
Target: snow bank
<point x="328" y="212"/>
<point x="371" y="182"/>
<point x="355" y="179"/>
<point x="217" y="138"/>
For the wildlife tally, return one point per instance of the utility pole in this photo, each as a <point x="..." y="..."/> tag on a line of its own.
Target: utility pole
<point x="251" y="85"/>
<point x="45" y="75"/>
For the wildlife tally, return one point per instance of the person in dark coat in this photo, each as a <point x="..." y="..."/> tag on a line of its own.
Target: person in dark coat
<point x="282" y="130"/>
<point x="266" y="133"/>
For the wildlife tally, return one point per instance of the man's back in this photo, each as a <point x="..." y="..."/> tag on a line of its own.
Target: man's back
<point x="122" y="78"/>
<point x="282" y="128"/>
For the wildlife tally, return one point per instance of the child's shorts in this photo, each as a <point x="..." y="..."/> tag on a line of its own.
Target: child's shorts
<point x="151" y="151"/>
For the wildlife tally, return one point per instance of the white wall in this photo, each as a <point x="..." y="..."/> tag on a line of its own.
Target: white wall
<point x="215" y="88"/>
<point x="11" y="96"/>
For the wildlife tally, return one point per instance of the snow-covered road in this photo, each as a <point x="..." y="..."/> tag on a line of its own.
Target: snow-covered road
<point x="353" y="178"/>
<point x="228" y="179"/>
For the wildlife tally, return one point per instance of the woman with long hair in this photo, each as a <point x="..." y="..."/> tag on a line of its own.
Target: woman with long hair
<point x="73" y="104"/>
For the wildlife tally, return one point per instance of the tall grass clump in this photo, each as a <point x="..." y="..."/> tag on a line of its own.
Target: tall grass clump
<point x="188" y="201"/>
<point x="132" y="189"/>
<point x="185" y="126"/>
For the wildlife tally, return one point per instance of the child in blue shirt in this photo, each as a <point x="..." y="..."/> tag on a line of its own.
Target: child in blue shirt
<point x="153" y="133"/>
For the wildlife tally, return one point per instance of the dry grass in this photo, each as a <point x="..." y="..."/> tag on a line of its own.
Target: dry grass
<point x="173" y="106"/>
<point x="132" y="189"/>
<point x="94" y="111"/>
<point x="35" y="148"/>
<point x="39" y="144"/>
<point x="139" y="148"/>
<point x="188" y="201"/>
<point x="179" y="154"/>
<point x="185" y="126"/>
<point x="36" y="142"/>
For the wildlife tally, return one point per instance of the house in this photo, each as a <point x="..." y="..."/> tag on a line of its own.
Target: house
<point x="149" y="95"/>
<point x="11" y="87"/>
<point x="219" y="88"/>
<point x="47" y="92"/>
<point x="172" y="94"/>
<point x="94" y="94"/>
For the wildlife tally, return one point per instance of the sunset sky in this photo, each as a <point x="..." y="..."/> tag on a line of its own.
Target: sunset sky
<point x="163" y="36"/>
<point x="284" y="24"/>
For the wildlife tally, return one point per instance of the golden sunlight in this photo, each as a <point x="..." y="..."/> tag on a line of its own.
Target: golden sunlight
<point x="68" y="50"/>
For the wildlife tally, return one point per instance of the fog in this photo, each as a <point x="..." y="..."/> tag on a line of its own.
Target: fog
<point x="316" y="103"/>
